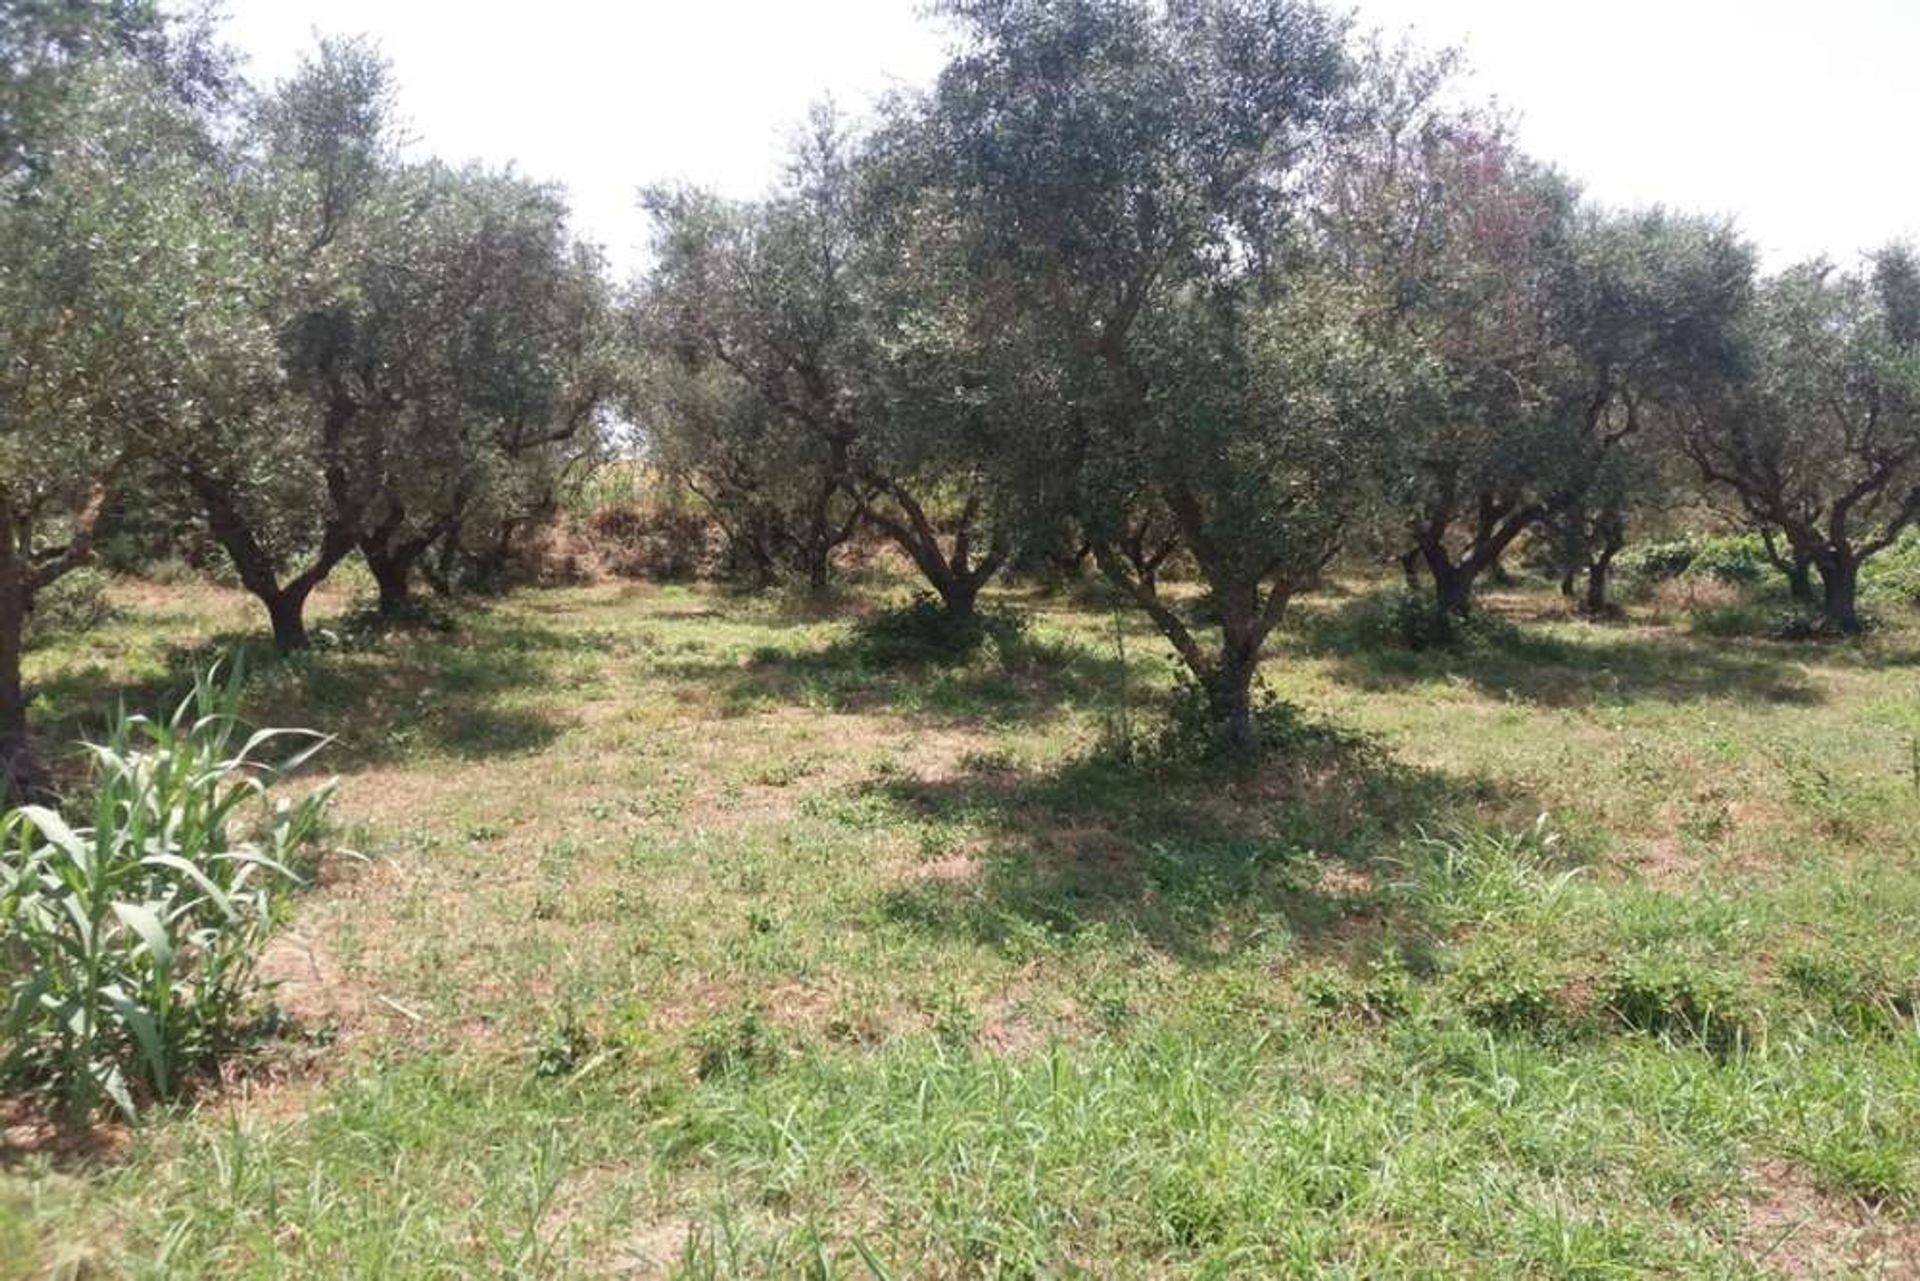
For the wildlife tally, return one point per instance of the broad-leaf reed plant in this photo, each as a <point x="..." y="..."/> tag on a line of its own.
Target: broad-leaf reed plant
<point x="130" y="935"/>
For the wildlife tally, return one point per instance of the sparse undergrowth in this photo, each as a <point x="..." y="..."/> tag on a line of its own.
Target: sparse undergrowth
<point x="703" y="939"/>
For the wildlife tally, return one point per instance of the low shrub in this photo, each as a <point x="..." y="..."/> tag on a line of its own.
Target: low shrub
<point x="924" y="632"/>
<point x="662" y="543"/>
<point x="1192" y="732"/>
<point x="135" y="937"/>
<point x="365" y="620"/>
<point x="1864" y="992"/>
<point x="1511" y="988"/>
<point x="1380" y="993"/>
<point x="1738" y="560"/>
<point x="1656" y="562"/>
<point x="74" y="602"/>
<point x="172" y="571"/>
<point x="1891" y="580"/>
<point x="1408" y="621"/>
<point x="1753" y="620"/>
<point x="1670" y="998"/>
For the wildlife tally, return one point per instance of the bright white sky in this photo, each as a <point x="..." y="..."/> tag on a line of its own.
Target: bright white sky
<point x="1795" y="117"/>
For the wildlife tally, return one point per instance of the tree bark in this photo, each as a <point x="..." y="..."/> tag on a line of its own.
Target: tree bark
<point x="819" y="572"/>
<point x="1800" y="580"/>
<point x="392" y="579"/>
<point x="22" y="574"/>
<point x="954" y="575"/>
<point x="14" y="601"/>
<point x="1230" y="696"/>
<point x="285" y="603"/>
<point x="1840" y="589"/>
<point x="287" y="612"/>
<point x="391" y="562"/>
<point x="1794" y="562"/>
<point x="1410" y="568"/>
<point x="1496" y="527"/>
<point x="1597" y="575"/>
<point x="960" y="595"/>
<point x="1452" y="584"/>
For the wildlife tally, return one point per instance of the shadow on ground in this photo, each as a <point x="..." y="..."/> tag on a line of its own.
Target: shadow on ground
<point x="1198" y="861"/>
<point x="1601" y="665"/>
<point x="384" y="697"/>
<point x="1017" y="681"/>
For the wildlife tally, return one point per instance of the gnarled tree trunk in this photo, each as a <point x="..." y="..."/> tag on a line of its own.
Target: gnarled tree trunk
<point x="951" y="569"/>
<point x="1840" y="590"/>
<point x="1496" y="524"/>
<point x="286" y="603"/>
<point x="391" y="557"/>
<point x="15" y="602"/>
<point x="1792" y="561"/>
<point x="23" y="572"/>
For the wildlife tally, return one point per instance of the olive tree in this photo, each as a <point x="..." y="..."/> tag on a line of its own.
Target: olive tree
<point x="272" y="473"/>
<point x="1817" y="436"/>
<point x="953" y="384"/>
<point x="1644" y="320"/>
<point x="101" y="125"/>
<point x="1136" y="170"/>
<point x="502" y="359"/>
<point x="1478" y="454"/>
<point x="753" y="326"/>
<point x="121" y="300"/>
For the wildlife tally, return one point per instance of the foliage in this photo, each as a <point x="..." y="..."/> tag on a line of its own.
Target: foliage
<point x="74" y="602"/>
<point x="1815" y="433"/>
<point x="925" y="631"/>
<point x="119" y="296"/>
<point x="751" y="391"/>
<point x="137" y="935"/>
<point x="1670" y="998"/>
<point x="1739" y="560"/>
<point x="1894" y="576"/>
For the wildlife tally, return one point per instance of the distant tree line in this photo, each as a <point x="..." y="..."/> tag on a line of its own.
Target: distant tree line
<point x="1221" y="281"/>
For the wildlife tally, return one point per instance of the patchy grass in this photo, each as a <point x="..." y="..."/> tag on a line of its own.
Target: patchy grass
<point x="702" y="937"/>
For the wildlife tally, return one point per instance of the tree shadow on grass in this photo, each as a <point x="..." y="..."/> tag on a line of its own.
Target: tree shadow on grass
<point x="1602" y="665"/>
<point x="1019" y="680"/>
<point x="384" y="698"/>
<point x="1197" y="861"/>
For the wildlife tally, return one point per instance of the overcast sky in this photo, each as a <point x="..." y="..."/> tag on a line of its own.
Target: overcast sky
<point x="1795" y="117"/>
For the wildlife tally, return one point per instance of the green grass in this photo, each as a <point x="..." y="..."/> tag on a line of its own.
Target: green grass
<point x="698" y="938"/>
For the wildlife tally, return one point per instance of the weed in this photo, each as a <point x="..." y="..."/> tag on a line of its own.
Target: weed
<point x="1670" y="998"/>
<point x="1381" y="992"/>
<point x="727" y="1045"/>
<point x="1513" y="988"/>
<point x="1863" y="992"/>
<point x="564" y="1049"/>
<point x="1817" y="791"/>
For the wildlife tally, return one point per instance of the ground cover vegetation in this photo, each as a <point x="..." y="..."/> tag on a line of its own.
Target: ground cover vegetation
<point x="1170" y="659"/>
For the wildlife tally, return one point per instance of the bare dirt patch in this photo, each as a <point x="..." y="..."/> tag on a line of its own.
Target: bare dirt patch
<point x="1796" y="1230"/>
<point x="955" y="868"/>
<point x="307" y="983"/>
<point x="652" y="1250"/>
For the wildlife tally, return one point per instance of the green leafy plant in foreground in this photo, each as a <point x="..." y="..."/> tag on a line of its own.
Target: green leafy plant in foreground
<point x="133" y="940"/>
